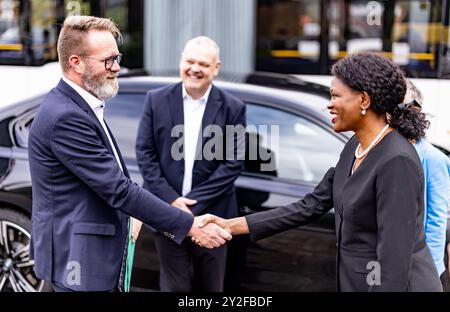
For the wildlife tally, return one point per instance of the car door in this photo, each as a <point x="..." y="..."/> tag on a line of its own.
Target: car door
<point x="302" y="259"/>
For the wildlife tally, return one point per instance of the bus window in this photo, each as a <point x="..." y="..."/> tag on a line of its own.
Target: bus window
<point x="43" y="30"/>
<point x="355" y="26"/>
<point x="301" y="36"/>
<point x="288" y="36"/>
<point x="444" y="60"/>
<point x="128" y="15"/>
<point x="29" y="29"/>
<point x="10" y="43"/>
<point x="308" y="37"/>
<point x="416" y="35"/>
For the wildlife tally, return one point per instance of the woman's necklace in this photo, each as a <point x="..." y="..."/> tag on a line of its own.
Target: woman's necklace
<point x="374" y="142"/>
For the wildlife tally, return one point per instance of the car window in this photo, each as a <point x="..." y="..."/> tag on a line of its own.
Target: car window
<point x="302" y="150"/>
<point x="122" y="114"/>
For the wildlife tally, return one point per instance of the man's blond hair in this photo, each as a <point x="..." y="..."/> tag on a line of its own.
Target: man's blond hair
<point x="72" y="38"/>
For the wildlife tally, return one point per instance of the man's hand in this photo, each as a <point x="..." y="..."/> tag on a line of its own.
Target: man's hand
<point x="233" y="226"/>
<point x="209" y="218"/>
<point x="135" y="229"/>
<point x="210" y="235"/>
<point x="183" y="203"/>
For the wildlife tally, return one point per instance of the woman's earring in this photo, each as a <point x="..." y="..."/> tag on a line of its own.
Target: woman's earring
<point x="363" y="112"/>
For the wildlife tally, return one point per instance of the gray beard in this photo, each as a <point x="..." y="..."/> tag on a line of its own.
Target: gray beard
<point x="101" y="88"/>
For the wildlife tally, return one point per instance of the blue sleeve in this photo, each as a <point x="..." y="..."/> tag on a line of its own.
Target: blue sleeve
<point x="438" y="185"/>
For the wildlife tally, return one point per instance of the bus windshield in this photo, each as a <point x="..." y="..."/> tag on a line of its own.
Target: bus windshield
<point x="304" y="37"/>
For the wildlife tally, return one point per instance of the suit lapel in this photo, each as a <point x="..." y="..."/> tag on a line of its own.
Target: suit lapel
<point x="122" y="162"/>
<point x="348" y="160"/>
<point x="78" y="100"/>
<point x="343" y="171"/>
<point x="177" y="115"/>
<point x="176" y="105"/>
<point x="212" y="108"/>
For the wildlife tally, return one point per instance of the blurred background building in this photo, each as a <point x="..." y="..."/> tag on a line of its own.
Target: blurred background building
<point x="300" y="37"/>
<point x="289" y="36"/>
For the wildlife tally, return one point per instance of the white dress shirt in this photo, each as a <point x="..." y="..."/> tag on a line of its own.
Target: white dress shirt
<point x="193" y="116"/>
<point x="97" y="106"/>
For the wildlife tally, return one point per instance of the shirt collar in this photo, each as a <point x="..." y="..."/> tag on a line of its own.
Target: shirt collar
<point x="203" y="99"/>
<point x="92" y="101"/>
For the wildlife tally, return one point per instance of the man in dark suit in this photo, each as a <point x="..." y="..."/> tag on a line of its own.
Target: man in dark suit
<point x="190" y="149"/>
<point x="82" y="193"/>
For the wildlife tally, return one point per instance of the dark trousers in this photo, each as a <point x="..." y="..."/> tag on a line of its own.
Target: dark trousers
<point x="445" y="280"/>
<point x="188" y="267"/>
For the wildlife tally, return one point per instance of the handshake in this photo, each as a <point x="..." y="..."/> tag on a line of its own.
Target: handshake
<point x="208" y="230"/>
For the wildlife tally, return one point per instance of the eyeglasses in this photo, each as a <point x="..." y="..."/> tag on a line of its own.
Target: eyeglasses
<point x="109" y="61"/>
<point x="413" y="103"/>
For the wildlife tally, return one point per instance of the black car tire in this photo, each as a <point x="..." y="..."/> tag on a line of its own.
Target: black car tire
<point x="21" y="225"/>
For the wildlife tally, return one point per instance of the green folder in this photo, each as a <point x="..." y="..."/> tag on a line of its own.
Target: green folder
<point x="130" y="257"/>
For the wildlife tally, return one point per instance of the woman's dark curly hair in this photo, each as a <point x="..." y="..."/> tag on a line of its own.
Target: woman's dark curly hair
<point x="385" y="83"/>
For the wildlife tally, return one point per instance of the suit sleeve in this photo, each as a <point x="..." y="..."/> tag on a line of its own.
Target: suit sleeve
<point x="222" y="179"/>
<point x="304" y="211"/>
<point x="148" y="159"/>
<point x="399" y="191"/>
<point x="75" y="142"/>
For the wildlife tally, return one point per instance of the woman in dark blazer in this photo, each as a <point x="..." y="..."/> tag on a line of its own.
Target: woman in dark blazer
<point x="376" y="187"/>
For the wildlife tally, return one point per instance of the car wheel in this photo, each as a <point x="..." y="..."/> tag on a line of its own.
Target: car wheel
<point x="16" y="267"/>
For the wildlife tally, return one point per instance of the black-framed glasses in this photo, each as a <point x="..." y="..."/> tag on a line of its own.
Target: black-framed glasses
<point x="109" y="61"/>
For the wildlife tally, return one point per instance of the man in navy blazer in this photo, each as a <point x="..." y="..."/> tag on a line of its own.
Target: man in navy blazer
<point x="190" y="149"/>
<point x="82" y="193"/>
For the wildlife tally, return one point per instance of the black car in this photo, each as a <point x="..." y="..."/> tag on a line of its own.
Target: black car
<point x="292" y="127"/>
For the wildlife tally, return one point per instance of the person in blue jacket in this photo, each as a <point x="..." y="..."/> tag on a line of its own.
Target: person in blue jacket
<point x="436" y="169"/>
